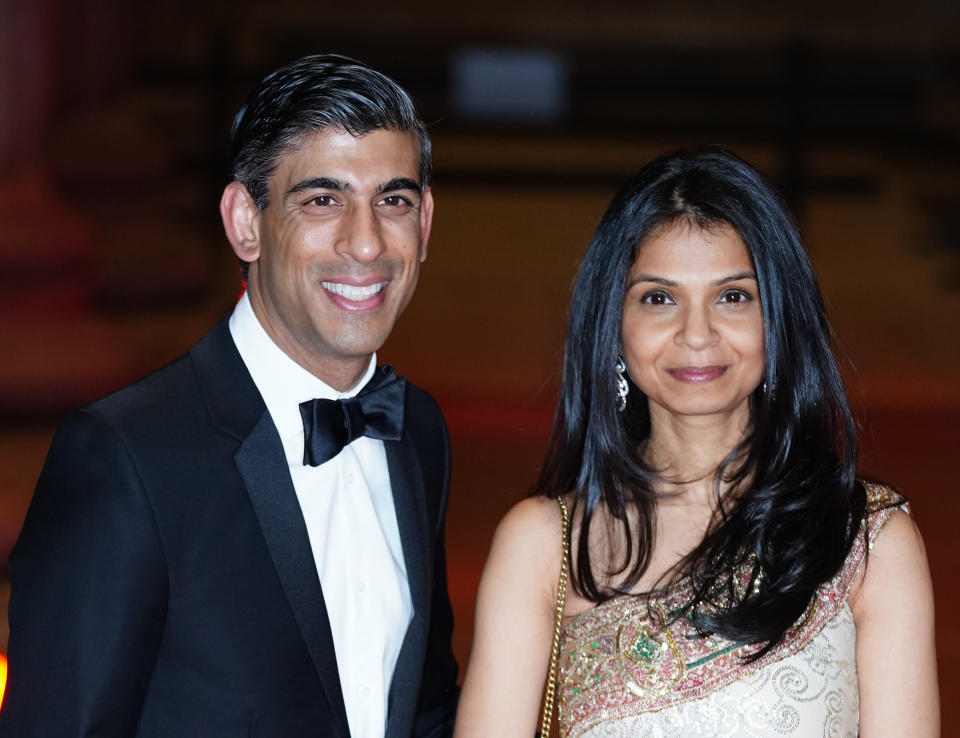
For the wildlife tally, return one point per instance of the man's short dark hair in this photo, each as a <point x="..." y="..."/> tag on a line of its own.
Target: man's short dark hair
<point x="312" y="94"/>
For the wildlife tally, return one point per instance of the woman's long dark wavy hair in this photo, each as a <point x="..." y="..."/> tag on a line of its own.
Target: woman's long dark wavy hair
<point x="793" y="505"/>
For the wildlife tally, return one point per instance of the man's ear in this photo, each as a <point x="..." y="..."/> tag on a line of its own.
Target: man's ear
<point x="426" y="221"/>
<point x="240" y="215"/>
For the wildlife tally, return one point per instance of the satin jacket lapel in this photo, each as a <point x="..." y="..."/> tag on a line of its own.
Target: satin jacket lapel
<point x="237" y="408"/>
<point x="406" y="480"/>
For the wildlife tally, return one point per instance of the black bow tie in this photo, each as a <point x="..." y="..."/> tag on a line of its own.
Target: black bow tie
<point x="376" y="411"/>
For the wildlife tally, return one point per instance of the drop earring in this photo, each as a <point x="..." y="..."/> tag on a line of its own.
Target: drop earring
<point x="622" y="387"/>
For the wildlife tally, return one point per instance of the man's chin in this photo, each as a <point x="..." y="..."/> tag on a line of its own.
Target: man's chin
<point x="360" y="347"/>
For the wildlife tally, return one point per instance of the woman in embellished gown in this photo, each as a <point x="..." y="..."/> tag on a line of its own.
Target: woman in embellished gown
<point x="730" y="575"/>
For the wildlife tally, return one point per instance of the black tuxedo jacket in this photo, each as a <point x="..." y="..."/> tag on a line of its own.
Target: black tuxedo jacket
<point x="163" y="584"/>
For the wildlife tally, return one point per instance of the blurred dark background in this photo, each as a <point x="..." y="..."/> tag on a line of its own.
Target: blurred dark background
<point x="113" y="129"/>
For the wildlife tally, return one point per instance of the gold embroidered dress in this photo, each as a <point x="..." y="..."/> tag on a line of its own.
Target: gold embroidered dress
<point x="628" y="667"/>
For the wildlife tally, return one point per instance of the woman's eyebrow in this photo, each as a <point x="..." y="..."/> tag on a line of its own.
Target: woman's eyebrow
<point x="651" y="278"/>
<point x="670" y="283"/>
<point x="736" y="277"/>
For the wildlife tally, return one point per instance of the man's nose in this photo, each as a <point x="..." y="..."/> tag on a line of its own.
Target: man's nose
<point x="361" y="238"/>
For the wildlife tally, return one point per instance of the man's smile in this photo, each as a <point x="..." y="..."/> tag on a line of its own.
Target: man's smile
<point x="356" y="298"/>
<point x="355" y="293"/>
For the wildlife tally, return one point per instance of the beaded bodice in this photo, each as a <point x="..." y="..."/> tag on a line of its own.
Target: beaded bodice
<point x="630" y="667"/>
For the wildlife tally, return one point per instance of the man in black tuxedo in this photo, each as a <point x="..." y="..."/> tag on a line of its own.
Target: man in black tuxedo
<point x="250" y="542"/>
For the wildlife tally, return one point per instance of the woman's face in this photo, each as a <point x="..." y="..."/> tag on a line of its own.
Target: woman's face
<point x="692" y="322"/>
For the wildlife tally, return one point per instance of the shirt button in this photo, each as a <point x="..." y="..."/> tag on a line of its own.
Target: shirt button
<point x="362" y="586"/>
<point x="365" y="691"/>
<point x="349" y="479"/>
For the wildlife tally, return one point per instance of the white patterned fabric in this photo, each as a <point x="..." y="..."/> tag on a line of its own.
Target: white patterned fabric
<point x="629" y="668"/>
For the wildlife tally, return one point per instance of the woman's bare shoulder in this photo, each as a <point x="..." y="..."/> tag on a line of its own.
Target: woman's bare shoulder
<point x="532" y="528"/>
<point x="896" y="652"/>
<point x="896" y="565"/>
<point x="532" y="515"/>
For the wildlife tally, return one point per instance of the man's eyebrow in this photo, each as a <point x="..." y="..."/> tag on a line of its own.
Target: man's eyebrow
<point x="399" y="183"/>
<point x="320" y="183"/>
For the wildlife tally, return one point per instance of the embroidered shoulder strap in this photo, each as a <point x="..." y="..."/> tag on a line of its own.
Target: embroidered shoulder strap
<point x="546" y="716"/>
<point x="880" y="497"/>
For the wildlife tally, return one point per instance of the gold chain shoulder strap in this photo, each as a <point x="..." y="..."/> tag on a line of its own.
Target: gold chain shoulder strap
<point x="547" y="716"/>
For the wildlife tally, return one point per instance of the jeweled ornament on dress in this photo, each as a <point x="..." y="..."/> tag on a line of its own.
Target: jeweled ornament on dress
<point x="635" y="666"/>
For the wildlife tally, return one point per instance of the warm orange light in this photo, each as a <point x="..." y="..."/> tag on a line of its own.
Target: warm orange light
<point x="3" y="677"/>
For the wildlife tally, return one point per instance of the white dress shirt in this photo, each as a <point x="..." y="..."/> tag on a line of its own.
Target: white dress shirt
<point x="347" y="503"/>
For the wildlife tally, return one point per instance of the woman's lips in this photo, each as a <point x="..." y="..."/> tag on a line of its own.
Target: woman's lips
<point x="697" y="374"/>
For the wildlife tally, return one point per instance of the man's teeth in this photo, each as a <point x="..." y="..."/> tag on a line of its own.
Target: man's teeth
<point x="354" y="293"/>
